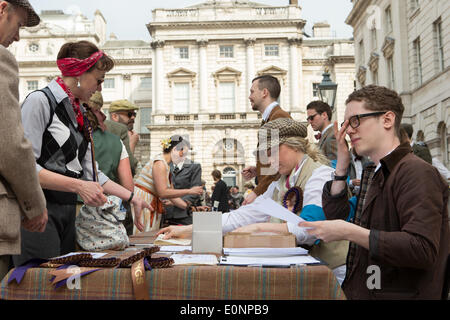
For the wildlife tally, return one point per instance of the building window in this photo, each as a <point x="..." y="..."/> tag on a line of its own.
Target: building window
<point x="390" y="66"/>
<point x="32" y="85"/>
<point x="375" y="77"/>
<point x="34" y="47"/>
<point x="388" y="20"/>
<point x="271" y="50"/>
<point x="226" y="52"/>
<point x="226" y="97"/>
<point x="109" y="83"/>
<point x="439" y="46"/>
<point x="417" y="61"/>
<point x="315" y="89"/>
<point x="181" y="98"/>
<point x="414" y="5"/>
<point x="146" y="83"/>
<point x="183" y="53"/>
<point x="145" y="115"/>
<point x="361" y="53"/>
<point x="373" y="32"/>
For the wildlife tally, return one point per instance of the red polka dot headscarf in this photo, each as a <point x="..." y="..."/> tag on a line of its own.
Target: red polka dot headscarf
<point x="73" y="67"/>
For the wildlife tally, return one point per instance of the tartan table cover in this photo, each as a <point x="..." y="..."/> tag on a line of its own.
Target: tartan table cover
<point x="185" y="283"/>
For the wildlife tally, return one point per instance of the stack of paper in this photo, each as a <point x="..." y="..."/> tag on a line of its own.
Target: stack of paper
<point x="194" y="259"/>
<point x="268" y="261"/>
<point x="265" y="252"/>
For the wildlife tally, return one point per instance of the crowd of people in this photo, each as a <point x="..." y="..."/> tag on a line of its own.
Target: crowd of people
<point x="380" y="202"/>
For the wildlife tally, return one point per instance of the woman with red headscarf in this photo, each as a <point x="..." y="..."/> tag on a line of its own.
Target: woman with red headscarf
<point x="54" y="122"/>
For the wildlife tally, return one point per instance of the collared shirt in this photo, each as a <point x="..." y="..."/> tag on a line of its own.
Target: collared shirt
<point x="328" y="127"/>
<point x="35" y="118"/>
<point x="268" y="110"/>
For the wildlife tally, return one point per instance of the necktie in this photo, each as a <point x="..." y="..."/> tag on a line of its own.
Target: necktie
<point x="318" y="136"/>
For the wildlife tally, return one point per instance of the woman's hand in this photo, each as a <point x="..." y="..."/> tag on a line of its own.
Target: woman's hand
<point x="138" y="205"/>
<point x="176" y="232"/>
<point x="249" y="228"/>
<point x="91" y="193"/>
<point x="197" y="190"/>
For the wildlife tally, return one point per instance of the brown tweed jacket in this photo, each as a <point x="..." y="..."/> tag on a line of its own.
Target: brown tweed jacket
<point x="328" y="145"/>
<point x="265" y="180"/>
<point x="20" y="192"/>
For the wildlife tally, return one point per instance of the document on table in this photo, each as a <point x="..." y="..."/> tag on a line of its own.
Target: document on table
<point x="273" y="209"/>
<point x="266" y="252"/>
<point x="268" y="261"/>
<point x="194" y="259"/>
<point x="171" y="242"/>
<point x="175" y="248"/>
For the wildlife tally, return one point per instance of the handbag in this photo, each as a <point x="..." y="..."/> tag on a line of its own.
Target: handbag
<point x="101" y="228"/>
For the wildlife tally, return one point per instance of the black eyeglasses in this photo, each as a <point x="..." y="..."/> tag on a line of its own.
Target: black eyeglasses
<point x="310" y="118"/>
<point x="355" y="120"/>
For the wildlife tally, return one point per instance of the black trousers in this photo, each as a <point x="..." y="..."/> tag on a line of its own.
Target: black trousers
<point x="57" y="239"/>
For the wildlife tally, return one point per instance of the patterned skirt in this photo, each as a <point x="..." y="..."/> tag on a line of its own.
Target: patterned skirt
<point x="150" y="219"/>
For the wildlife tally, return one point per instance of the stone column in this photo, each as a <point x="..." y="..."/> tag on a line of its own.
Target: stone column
<point x="158" y="77"/>
<point x="294" y="73"/>
<point x="203" y="75"/>
<point x="250" y="44"/>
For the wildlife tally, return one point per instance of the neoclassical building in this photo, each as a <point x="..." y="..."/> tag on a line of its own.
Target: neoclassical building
<point x="404" y="45"/>
<point x="204" y="59"/>
<point x="194" y="74"/>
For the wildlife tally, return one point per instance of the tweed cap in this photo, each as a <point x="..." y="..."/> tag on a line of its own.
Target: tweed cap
<point x="96" y="101"/>
<point x="275" y="132"/>
<point x="122" y="105"/>
<point x="32" y="19"/>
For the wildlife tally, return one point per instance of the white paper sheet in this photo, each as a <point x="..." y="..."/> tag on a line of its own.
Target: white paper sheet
<point x="271" y="261"/>
<point x="174" y="241"/>
<point x="174" y="248"/>
<point x="265" y="252"/>
<point x="273" y="209"/>
<point x="194" y="259"/>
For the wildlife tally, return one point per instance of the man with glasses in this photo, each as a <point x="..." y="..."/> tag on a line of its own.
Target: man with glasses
<point x="319" y="117"/>
<point x="123" y="114"/>
<point x="400" y="232"/>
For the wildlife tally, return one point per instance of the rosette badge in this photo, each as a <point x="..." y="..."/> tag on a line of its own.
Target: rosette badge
<point x="165" y="143"/>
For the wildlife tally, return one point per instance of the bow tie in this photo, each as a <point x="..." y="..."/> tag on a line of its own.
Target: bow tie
<point x="358" y="158"/>
<point x="318" y="136"/>
<point x="176" y="170"/>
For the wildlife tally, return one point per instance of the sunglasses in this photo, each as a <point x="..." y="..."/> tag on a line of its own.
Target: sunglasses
<point x="310" y="118"/>
<point x="355" y="121"/>
<point x="130" y="113"/>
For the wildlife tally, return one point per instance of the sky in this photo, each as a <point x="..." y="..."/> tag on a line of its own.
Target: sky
<point x="127" y="19"/>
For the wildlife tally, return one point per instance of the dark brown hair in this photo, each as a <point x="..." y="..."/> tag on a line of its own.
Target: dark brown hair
<point x="82" y="50"/>
<point x="270" y="83"/>
<point x="216" y="174"/>
<point x="378" y="98"/>
<point x="320" y="108"/>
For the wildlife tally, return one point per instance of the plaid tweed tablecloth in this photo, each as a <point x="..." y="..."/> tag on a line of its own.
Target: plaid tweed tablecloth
<point x="185" y="283"/>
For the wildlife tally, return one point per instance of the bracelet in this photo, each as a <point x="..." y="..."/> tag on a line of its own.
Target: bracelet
<point x="131" y="197"/>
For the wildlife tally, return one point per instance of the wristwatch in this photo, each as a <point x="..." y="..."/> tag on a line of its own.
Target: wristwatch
<point x="338" y="178"/>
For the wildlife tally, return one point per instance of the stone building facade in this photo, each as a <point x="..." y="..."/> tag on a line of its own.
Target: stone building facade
<point x="204" y="59"/>
<point x="404" y="45"/>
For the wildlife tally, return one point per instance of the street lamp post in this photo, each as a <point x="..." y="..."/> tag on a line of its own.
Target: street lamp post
<point x="327" y="90"/>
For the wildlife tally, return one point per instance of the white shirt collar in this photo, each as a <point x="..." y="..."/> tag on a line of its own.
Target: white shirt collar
<point x="268" y="110"/>
<point x="57" y="91"/>
<point x="328" y="127"/>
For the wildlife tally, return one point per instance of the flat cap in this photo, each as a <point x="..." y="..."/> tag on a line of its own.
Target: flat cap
<point x="275" y="132"/>
<point x="32" y="19"/>
<point x="122" y="105"/>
